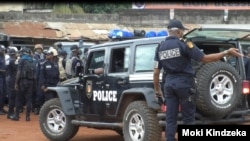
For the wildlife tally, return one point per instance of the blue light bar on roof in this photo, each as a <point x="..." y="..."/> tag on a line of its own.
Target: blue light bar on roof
<point x="150" y="34"/>
<point x="162" y="33"/>
<point x="117" y="33"/>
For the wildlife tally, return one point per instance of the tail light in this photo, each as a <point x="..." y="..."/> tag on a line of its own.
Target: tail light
<point x="245" y="87"/>
<point x="164" y="108"/>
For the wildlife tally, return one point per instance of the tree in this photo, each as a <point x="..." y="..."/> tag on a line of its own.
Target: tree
<point x="104" y="8"/>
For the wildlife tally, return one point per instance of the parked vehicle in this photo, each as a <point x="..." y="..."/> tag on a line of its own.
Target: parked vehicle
<point x="122" y="98"/>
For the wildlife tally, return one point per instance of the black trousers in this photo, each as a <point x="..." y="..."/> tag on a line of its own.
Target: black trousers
<point x="2" y="91"/>
<point x="11" y="94"/>
<point x="25" y="91"/>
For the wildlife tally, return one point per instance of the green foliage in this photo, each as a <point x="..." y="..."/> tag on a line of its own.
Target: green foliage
<point x="76" y="9"/>
<point x="80" y="8"/>
<point x="61" y="8"/>
<point x="67" y="8"/>
<point x="108" y="8"/>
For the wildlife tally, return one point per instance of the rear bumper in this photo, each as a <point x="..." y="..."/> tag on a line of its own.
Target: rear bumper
<point x="236" y="117"/>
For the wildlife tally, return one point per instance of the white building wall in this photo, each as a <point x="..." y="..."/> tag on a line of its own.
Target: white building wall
<point x="6" y="7"/>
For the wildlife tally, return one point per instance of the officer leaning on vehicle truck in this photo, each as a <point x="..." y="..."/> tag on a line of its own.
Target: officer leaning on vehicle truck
<point x="174" y="57"/>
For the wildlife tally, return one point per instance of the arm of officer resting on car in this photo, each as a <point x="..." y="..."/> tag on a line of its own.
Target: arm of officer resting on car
<point x="157" y="81"/>
<point x="157" y="88"/>
<point x="217" y="56"/>
<point x="98" y="71"/>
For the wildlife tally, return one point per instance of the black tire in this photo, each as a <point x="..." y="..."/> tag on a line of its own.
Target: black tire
<point x="140" y="123"/>
<point x="218" y="89"/>
<point x="51" y="117"/>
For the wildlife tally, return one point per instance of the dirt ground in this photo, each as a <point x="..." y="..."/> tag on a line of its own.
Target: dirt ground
<point x="30" y="131"/>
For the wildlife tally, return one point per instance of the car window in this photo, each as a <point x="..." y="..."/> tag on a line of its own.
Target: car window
<point x="96" y="59"/>
<point x="144" y="58"/>
<point x="119" y="60"/>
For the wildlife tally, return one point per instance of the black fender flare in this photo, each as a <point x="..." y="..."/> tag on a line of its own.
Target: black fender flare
<point x="64" y="95"/>
<point x="148" y="93"/>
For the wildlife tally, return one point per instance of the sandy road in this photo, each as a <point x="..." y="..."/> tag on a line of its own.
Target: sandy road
<point x="30" y="131"/>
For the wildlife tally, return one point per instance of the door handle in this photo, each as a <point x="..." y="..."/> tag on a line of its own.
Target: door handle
<point x="99" y="83"/>
<point x="121" y="82"/>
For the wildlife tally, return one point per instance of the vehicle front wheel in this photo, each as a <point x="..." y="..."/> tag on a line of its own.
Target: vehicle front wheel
<point x="140" y="123"/>
<point x="54" y="124"/>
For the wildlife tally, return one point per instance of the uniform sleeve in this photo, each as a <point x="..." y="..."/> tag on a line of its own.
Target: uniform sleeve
<point x="76" y="63"/>
<point x="19" y="70"/>
<point x="247" y="68"/>
<point x="157" y="64"/>
<point x="193" y="51"/>
<point x="41" y="79"/>
<point x="8" y="65"/>
<point x="2" y="64"/>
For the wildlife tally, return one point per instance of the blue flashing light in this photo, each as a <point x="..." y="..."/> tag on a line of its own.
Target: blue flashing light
<point x="113" y="33"/>
<point x="150" y="34"/>
<point x="117" y="33"/>
<point x="162" y="33"/>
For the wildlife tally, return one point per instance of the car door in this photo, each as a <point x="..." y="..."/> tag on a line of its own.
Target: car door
<point x="117" y="78"/>
<point x="93" y="83"/>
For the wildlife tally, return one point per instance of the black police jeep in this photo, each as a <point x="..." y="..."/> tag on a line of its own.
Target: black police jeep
<point x="122" y="97"/>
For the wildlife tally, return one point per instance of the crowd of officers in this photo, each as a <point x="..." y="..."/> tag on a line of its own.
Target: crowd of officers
<point x="26" y="74"/>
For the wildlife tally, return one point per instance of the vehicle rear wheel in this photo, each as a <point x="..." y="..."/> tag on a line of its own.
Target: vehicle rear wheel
<point x="54" y="124"/>
<point x="140" y="123"/>
<point x="218" y="89"/>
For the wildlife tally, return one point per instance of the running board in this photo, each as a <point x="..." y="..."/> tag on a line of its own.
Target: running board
<point x="97" y="124"/>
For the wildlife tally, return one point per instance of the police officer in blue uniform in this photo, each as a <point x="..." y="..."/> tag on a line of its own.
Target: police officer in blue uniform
<point x="25" y="82"/>
<point x="76" y="62"/>
<point x="174" y="57"/>
<point x="11" y="70"/>
<point x="38" y="97"/>
<point x="49" y="75"/>
<point x="2" y="80"/>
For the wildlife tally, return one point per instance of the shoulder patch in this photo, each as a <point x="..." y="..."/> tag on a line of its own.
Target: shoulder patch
<point x="190" y="44"/>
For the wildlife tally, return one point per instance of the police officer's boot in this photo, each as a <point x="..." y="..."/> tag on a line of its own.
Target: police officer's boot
<point x="37" y="110"/>
<point x="10" y="112"/>
<point x="27" y="115"/>
<point x="15" y="117"/>
<point x="27" y="118"/>
<point x="10" y="115"/>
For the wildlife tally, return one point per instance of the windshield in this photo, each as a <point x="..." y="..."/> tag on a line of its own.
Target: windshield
<point x="219" y="33"/>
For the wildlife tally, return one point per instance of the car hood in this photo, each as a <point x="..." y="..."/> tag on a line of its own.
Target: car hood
<point x="70" y="81"/>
